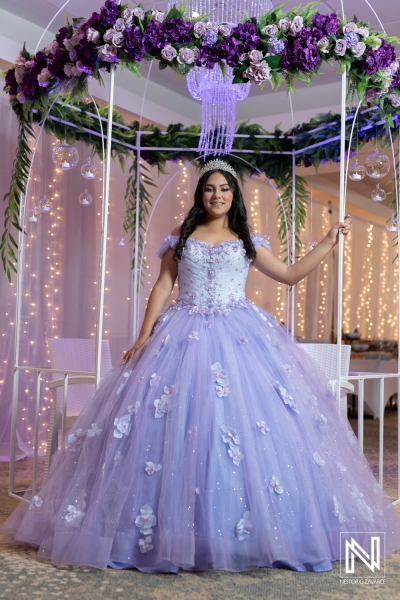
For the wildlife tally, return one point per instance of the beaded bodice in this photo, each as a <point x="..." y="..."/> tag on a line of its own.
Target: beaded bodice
<point x="212" y="279"/>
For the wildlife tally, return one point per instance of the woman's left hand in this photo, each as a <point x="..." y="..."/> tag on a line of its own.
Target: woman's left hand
<point x="344" y="227"/>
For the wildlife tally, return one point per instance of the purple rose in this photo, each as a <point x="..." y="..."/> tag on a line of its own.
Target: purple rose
<point x="186" y="56"/>
<point x="224" y="30"/>
<point x="168" y="53"/>
<point x="92" y="35"/>
<point x="296" y="25"/>
<point x="108" y="36"/>
<point x="359" y="49"/>
<point x="199" y="29"/>
<point x="255" y="57"/>
<point x="210" y="37"/>
<point x="257" y="73"/>
<point x="340" y="47"/>
<point x="270" y="30"/>
<point x="108" y="53"/>
<point x="119" y="25"/>
<point x="158" y="16"/>
<point x="352" y="39"/>
<point x="134" y="47"/>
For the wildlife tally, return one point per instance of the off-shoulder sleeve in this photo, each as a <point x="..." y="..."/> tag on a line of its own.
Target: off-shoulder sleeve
<point x="169" y="241"/>
<point x="259" y="240"/>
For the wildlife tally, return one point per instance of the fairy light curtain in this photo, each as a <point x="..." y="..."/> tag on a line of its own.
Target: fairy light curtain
<point x="60" y="271"/>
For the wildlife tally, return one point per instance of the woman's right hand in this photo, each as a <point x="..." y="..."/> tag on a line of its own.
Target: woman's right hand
<point x="142" y="339"/>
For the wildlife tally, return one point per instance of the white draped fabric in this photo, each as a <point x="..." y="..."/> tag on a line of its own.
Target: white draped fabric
<point x="60" y="271"/>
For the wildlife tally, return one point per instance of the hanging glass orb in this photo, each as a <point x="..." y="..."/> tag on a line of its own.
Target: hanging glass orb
<point x="89" y="170"/>
<point x="85" y="198"/>
<point x="34" y="213"/>
<point x="45" y="204"/>
<point x="356" y="171"/>
<point x="378" y="194"/>
<point x="392" y="224"/>
<point x="377" y="165"/>
<point x="65" y="156"/>
<point x="121" y="240"/>
<point x="311" y="245"/>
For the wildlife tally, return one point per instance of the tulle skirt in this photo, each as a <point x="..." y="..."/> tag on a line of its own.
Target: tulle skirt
<point x="218" y="447"/>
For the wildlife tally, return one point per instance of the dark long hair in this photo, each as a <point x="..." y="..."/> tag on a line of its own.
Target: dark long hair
<point x="237" y="215"/>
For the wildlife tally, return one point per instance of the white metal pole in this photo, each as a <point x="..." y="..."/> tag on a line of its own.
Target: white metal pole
<point x="342" y="205"/>
<point x="104" y="224"/>
<point x="17" y="338"/>
<point x="293" y="306"/>
<point x="136" y="256"/>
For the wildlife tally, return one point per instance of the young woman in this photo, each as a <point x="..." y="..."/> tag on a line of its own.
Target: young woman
<point x="216" y="444"/>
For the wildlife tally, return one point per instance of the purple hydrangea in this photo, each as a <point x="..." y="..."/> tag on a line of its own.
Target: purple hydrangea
<point x="11" y="82"/>
<point x="60" y="37"/>
<point x="152" y="37"/>
<point x="134" y="46"/>
<point x="56" y="64"/>
<point x="247" y="34"/>
<point x="302" y="53"/>
<point x="176" y="31"/>
<point x="328" y="24"/>
<point x="352" y="39"/>
<point x="395" y="81"/>
<point x="107" y="16"/>
<point x="208" y="56"/>
<point x="210" y="37"/>
<point x="276" y="46"/>
<point x="86" y="55"/>
<point x="375" y="60"/>
<point x="231" y="49"/>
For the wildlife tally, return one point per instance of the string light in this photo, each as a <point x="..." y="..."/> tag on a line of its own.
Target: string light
<point x="364" y="305"/>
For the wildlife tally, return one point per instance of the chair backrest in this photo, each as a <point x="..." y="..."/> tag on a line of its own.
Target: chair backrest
<point x="325" y="355"/>
<point x="77" y="355"/>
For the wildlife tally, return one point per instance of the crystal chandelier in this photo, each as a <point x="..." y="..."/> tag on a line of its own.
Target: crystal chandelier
<point x="213" y="88"/>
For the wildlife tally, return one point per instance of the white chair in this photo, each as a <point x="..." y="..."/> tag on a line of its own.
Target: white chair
<point x="75" y="355"/>
<point x="325" y="356"/>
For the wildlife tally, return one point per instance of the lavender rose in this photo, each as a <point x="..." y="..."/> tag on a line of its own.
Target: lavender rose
<point x="43" y="77"/>
<point x="257" y="73"/>
<point x="21" y="98"/>
<point x="323" y="45"/>
<point x="186" y="56"/>
<point x="139" y="13"/>
<point x="199" y="29"/>
<point x="243" y="57"/>
<point x="350" y="28"/>
<point x="359" y="49"/>
<point x="158" y="16"/>
<point x="108" y="53"/>
<point x="127" y="16"/>
<point x="297" y="25"/>
<point x="212" y="26"/>
<point x="20" y="74"/>
<point x="270" y="30"/>
<point x="284" y="24"/>
<point x="109" y="34"/>
<point x="51" y="48"/>
<point x="118" y="39"/>
<point x="168" y="53"/>
<point x="394" y="100"/>
<point x="378" y="44"/>
<point x="83" y="68"/>
<point x="255" y="57"/>
<point x="20" y="60"/>
<point x="340" y="47"/>
<point x="119" y="25"/>
<point x="71" y="70"/>
<point x="92" y="35"/>
<point x="363" y="31"/>
<point x="224" y="30"/>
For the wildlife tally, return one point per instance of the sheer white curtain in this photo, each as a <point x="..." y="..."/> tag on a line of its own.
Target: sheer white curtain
<point x="60" y="270"/>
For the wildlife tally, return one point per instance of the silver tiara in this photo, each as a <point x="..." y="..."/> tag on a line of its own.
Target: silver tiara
<point x="217" y="165"/>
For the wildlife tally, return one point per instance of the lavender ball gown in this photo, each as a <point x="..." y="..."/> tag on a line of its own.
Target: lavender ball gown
<point x="217" y="447"/>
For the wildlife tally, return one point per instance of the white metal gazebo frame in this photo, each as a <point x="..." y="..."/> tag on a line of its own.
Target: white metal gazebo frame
<point x="95" y="376"/>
